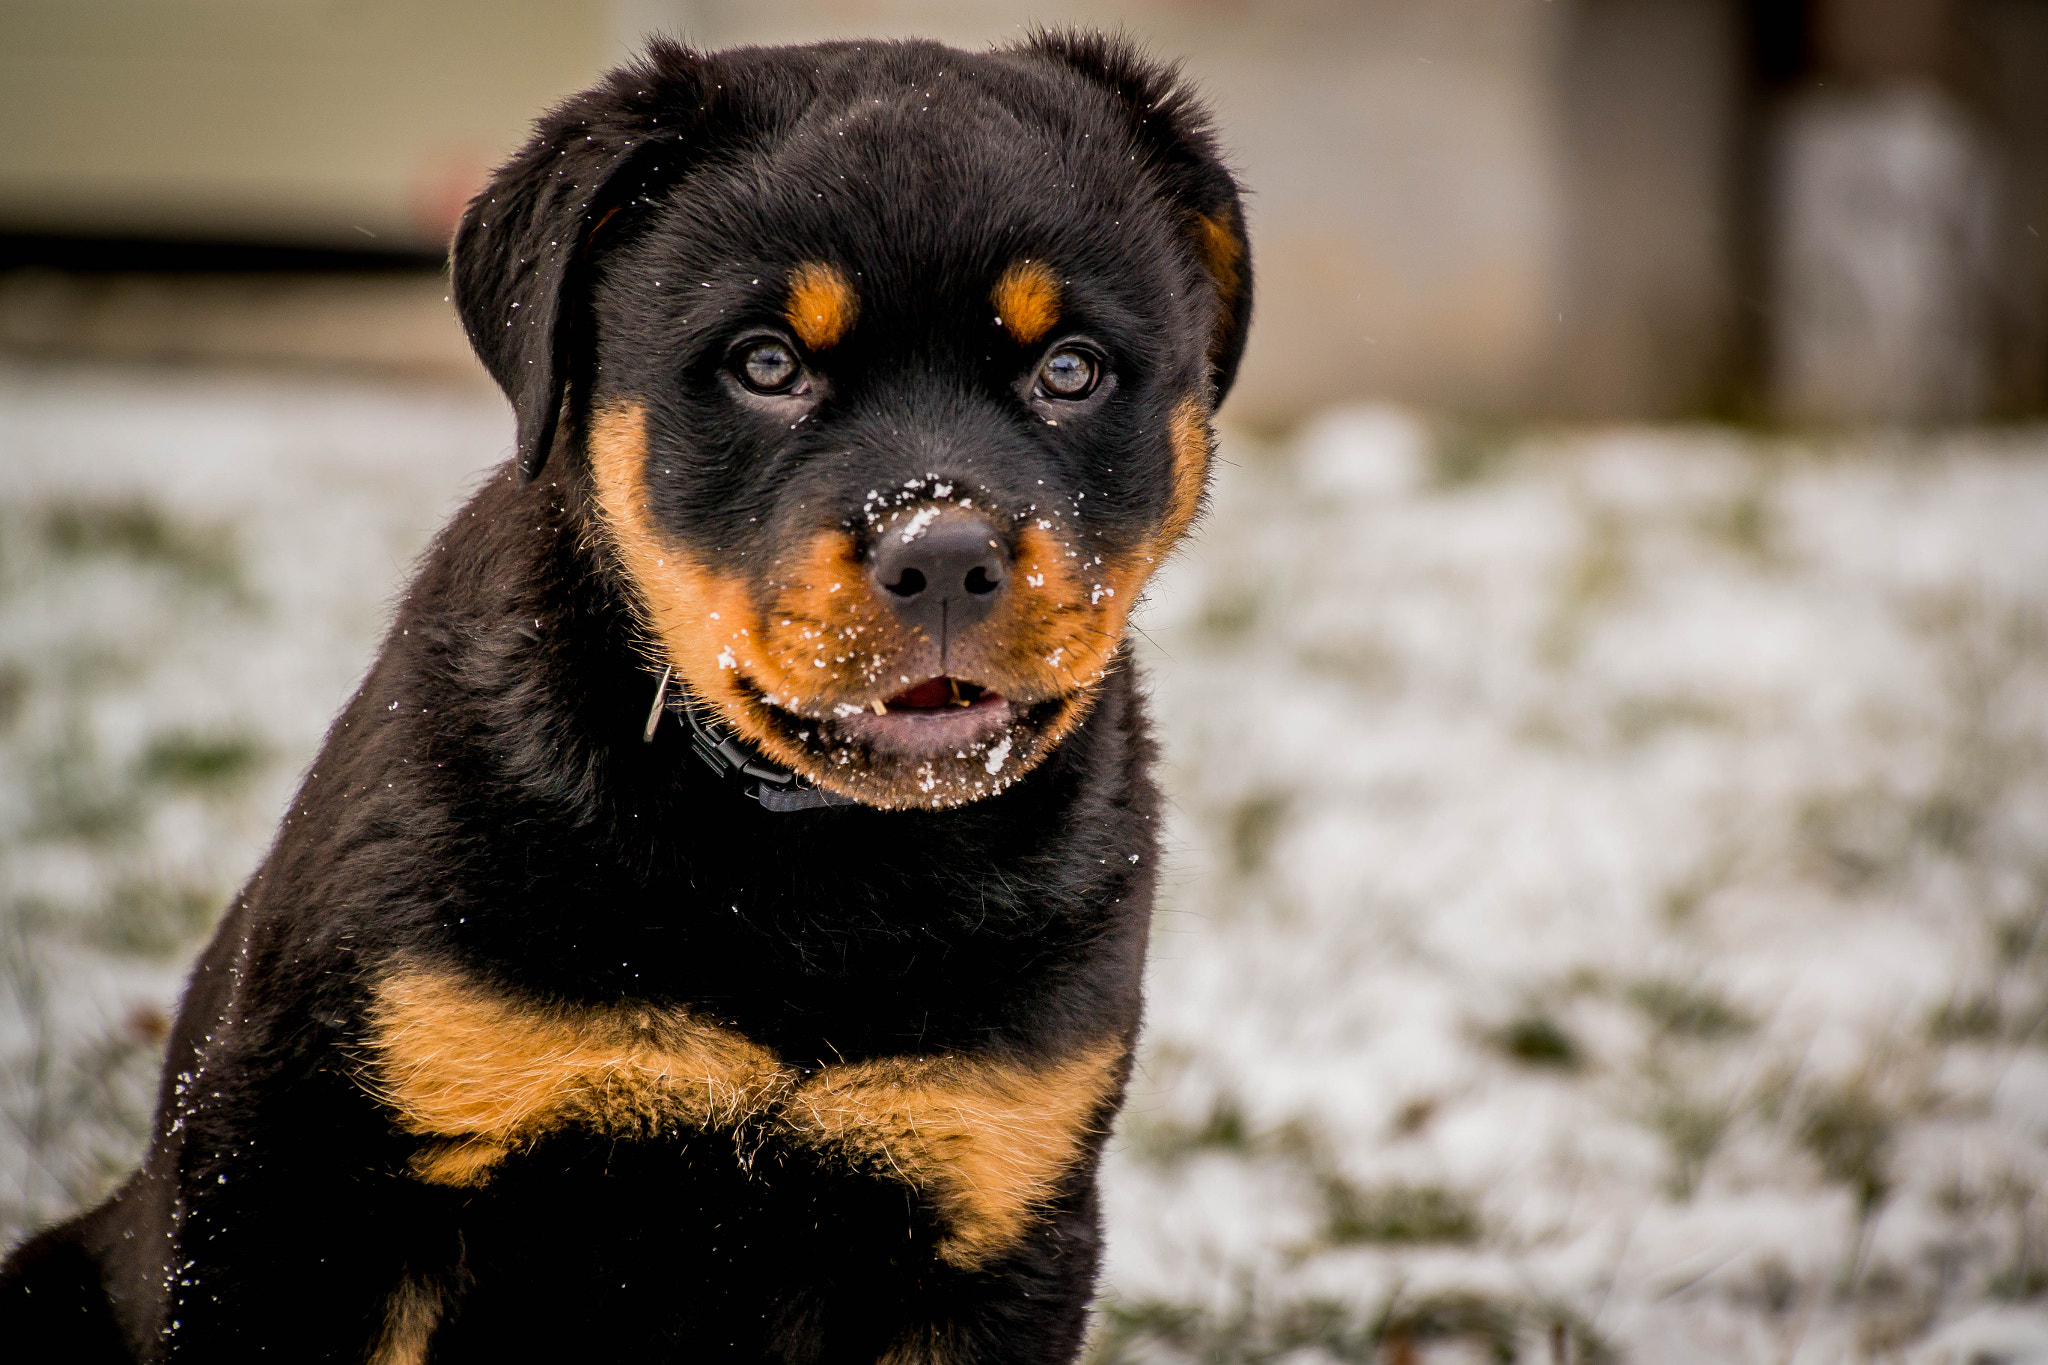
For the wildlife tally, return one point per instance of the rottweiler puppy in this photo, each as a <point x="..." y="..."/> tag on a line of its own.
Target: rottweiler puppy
<point x="714" y="931"/>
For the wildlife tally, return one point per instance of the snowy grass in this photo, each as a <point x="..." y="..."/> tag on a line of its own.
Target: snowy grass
<point x="1607" y="914"/>
<point x="1612" y="911"/>
<point x="193" y="573"/>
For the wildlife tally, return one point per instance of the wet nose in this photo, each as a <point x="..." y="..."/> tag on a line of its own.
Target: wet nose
<point x="942" y="570"/>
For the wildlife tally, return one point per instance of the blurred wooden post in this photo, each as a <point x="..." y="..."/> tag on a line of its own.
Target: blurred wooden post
<point x="1883" y="225"/>
<point x="1649" y="94"/>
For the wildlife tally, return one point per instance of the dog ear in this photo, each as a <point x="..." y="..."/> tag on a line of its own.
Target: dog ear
<point x="521" y="250"/>
<point x="1172" y="126"/>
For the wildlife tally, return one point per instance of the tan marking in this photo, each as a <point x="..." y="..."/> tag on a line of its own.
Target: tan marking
<point x="1063" y="616"/>
<point x="1220" y="254"/>
<point x="823" y="613"/>
<point x="1222" y="257"/>
<point x="482" y="1076"/>
<point x="590" y="237"/>
<point x="410" y="1316"/>
<point x="706" y="622"/>
<point x="1027" y="300"/>
<point x="822" y="305"/>
<point x="1060" y="633"/>
<point x="1077" y="617"/>
<point x="463" y="1164"/>
<point x="486" y="1076"/>
<point x="1191" y="449"/>
<point x="990" y="1142"/>
<point x="921" y="1345"/>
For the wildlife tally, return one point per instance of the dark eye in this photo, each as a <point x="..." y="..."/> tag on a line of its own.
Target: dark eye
<point x="768" y="367"/>
<point x="1068" y="373"/>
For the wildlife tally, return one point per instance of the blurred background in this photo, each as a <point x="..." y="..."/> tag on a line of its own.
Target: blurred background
<point x="1614" y="208"/>
<point x="1606" y="710"/>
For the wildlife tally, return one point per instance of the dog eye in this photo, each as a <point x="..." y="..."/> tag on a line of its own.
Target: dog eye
<point x="1068" y="373"/>
<point x="768" y="367"/>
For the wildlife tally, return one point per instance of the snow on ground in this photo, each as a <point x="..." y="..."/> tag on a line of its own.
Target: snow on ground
<point x="1607" y="913"/>
<point x="193" y="574"/>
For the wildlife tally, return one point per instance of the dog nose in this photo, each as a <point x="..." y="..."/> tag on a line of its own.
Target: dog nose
<point x="942" y="570"/>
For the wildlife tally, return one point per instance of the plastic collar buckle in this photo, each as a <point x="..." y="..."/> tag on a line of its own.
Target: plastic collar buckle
<point x="775" y="787"/>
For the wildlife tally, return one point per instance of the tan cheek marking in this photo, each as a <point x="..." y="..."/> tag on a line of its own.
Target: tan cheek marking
<point x="835" y="628"/>
<point x="486" y="1075"/>
<point x="1048" y="633"/>
<point x="705" y="622"/>
<point x="1192" y="445"/>
<point x="1064" y="627"/>
<point x="989" y="1142"/>
<point x="1125" y="577"/>
<point x="1027" y="300"/>
<point x="822" y="306"/>
<point x="410" y="1316"/>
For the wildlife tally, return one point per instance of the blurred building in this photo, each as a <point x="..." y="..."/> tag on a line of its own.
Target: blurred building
<point x="1818" y="208"/>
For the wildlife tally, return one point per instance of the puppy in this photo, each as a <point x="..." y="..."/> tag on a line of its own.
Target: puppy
<point x="714" y="931"/>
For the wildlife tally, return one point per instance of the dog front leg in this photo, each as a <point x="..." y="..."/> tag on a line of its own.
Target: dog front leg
<point x="1028" y="1308"/>
<point x="291" y="1251"/>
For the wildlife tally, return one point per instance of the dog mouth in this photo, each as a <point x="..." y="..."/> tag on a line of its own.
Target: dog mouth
<point x="938" y="696"/>
<point x="941" y="715"/>
<point x="942" y="741"/>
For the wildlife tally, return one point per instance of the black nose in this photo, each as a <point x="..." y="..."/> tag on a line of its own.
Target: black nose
<point x="942" y="569"/>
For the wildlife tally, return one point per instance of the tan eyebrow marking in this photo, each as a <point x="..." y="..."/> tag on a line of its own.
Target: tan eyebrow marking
<point x="822" y="305"/>
<point x="1027" y="300"/>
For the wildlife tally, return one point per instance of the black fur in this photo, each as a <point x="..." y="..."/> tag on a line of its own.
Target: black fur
<point x="485" y="803"/>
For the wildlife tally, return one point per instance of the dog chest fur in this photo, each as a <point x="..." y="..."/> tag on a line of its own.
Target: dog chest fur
<point x="480" y="1076"/>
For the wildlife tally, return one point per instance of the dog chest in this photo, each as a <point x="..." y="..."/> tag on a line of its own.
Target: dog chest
<point x="480" y="1078"/>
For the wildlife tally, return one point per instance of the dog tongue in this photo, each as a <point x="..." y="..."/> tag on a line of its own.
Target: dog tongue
<point x="932" y="692"/>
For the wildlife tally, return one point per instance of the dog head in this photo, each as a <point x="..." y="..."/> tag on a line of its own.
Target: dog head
<point x="887" y="370"/>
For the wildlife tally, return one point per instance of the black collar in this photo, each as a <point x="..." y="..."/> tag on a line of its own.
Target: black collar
<point x="774" y="786"/>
